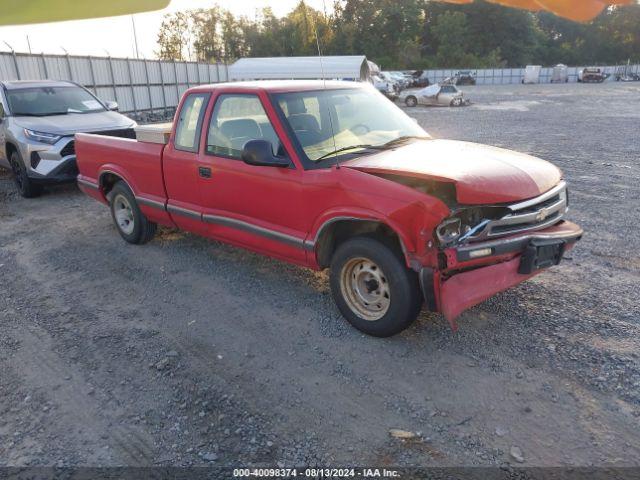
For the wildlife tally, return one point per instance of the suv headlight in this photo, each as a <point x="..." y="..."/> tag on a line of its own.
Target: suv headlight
<point x="42" y="137"/>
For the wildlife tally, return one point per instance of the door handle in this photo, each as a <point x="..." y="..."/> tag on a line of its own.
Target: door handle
<point x="204" y="172"/>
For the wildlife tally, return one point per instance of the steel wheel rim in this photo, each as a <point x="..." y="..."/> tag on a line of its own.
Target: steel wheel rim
<point x="365" y="288"/>
<point x="124" y="214"/>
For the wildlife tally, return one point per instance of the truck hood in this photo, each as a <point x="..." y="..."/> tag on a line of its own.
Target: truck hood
<point x="482" y="174"/>
<point x="75" y="122"/>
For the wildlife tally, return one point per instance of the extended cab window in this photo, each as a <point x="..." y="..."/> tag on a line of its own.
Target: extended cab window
<point x="188" y="128"/>
<point x="237" y="119"/>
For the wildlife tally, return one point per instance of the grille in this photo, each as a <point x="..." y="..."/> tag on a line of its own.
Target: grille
<point x="70" y="148"/>
<point x="534" y="214"/>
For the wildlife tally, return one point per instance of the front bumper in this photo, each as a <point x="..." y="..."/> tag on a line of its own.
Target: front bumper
<point x="48" y="164"/>
<point x="467" y="279"/>
<point x="65" y="172"/>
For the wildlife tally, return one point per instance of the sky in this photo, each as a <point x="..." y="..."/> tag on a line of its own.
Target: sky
<point x="114" y="35"/>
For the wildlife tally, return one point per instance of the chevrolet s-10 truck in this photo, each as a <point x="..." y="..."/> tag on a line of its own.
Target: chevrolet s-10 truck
<point x="333" y="175"/>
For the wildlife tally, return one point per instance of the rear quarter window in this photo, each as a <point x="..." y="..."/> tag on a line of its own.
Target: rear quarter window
<point x="190" y="122"/>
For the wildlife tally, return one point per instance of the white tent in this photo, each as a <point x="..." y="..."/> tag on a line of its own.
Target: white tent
<point x="355" y="67"/>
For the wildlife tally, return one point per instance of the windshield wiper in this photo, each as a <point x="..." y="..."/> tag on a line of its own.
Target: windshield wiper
<point x="403" y="139"/>
<point x="350" y="147"/>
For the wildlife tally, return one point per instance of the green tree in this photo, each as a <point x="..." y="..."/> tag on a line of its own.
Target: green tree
<point x="406" y="34"/>
<point x="174" y="38"/>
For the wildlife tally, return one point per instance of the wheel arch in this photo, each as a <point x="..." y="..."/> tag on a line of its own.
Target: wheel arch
<point x="336" y="230"/>
<point x="9" y="148"/>
<point x="107" y="180"/>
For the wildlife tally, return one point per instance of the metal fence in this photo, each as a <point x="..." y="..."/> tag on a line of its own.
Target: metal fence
<point x="148" y="90"/>
<point x="509" y="76"/>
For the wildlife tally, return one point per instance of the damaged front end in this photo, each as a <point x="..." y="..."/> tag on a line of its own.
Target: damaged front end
<point x="483" y="250"/>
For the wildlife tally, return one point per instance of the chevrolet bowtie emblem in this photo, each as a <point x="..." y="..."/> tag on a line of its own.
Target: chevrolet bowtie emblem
<point x="542" y="215"/>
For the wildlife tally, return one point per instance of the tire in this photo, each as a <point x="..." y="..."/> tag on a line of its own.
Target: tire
<point x="132" y="225"/>
<point x="359" y="267"/>
<point x="456" y="102"/>
<point x="411" y="101"/>
<point x="23" y="183"/>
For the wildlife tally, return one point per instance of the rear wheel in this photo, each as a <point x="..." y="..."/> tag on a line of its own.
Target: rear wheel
<point x="373" y="288"/>
<point x="132" y="225"/>
<point x="411" y="101"/>
<point x="23" y="183"/>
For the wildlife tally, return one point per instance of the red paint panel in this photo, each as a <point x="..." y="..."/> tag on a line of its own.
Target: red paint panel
<point x="138" y="163"/>
<point x="464" y="290"/>
<point x="482" y="174"/>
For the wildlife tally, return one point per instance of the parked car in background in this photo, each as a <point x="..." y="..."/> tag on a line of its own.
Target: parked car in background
<point x="401" y="79"/>
<point x="385" y="87"/>
<point x="419" y="79"/>
<point x="390" y="79"/>
<point x="330" y="175"/>
<point x="560" y="74"/>
<point x="38" y="120"/>
<point x="592" y="75"/>
<point x="464" y="77"/>
<point x="436" y="95"/>
<point x="627" y="73"/>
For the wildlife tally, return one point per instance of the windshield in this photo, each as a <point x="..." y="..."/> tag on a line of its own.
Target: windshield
<point x="43" y="101"/>
<point x="328" y="121"/>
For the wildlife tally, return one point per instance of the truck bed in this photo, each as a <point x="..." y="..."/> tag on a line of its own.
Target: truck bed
<point x="138" y="163"/>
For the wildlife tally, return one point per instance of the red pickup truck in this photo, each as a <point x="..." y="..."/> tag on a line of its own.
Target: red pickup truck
<point x="333" y="175"/>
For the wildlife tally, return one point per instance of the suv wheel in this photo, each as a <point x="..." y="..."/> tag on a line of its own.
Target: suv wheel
<point x="132" y="225"/>
<point x="24" y="184"/>
<point x="373" y="288"/>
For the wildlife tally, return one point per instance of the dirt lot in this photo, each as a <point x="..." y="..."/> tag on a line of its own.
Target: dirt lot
<point x="187" y="351"/>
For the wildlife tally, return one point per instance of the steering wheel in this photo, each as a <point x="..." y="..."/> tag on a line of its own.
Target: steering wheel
<point x="360" y="126"/>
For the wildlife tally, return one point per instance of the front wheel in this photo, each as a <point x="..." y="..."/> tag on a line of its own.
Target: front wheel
<point x="411" y="101"/>
<point x="373" y="288"/>
<point x="24" y="184"/>
<point x="456" y="102"/>
<point x="132" y="225"/>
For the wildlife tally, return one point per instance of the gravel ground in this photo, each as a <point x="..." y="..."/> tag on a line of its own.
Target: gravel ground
<point x="191" y="352"/>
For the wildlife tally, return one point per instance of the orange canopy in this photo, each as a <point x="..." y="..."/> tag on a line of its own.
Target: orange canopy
<point x="579" y="10"/>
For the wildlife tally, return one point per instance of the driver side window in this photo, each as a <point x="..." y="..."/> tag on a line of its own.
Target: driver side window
<point x="236" y="119"/>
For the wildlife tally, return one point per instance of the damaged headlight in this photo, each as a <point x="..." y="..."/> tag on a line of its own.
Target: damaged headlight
<point x="449" y="231"/>
<point x="467" y="223"/>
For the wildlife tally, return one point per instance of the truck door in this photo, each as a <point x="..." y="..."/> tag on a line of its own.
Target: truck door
<point x="258" y="207"/>
<point x="180" y="165"/>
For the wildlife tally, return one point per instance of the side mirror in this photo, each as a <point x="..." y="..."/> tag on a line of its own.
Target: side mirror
<point x="111" y="105"/>
<point x="259" y="153"/>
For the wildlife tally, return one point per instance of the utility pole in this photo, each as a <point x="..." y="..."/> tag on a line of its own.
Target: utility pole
<point x="28" y="43"/>
<point x="135" y="36"/>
